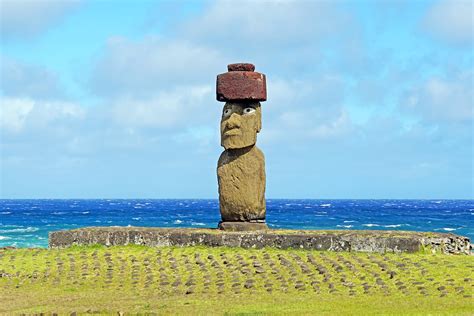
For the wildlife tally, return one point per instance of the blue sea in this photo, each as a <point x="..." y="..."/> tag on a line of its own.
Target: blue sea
<point x="26" y="223"/>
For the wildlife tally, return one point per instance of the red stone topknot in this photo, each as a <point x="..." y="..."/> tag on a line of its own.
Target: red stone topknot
<point x="241" y="83"/>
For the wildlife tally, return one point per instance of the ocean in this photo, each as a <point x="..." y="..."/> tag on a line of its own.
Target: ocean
<point x="26" y="223"/>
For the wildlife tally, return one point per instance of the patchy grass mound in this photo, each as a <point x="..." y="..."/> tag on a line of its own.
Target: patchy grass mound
<point x="201" y="280"/>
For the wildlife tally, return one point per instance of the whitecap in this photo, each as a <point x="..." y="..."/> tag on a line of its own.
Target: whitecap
<point x="59" y="213"/>
<point x="4" y="237"/>
<point x="198" y="224"/>
<point x="5" y="213"/>
<point x="449" y="229"/>
<point x="325" y="205"/>
<point x="370" y="225"/>
<point x="349" y="221"/>
<point x="397" y="225"/>
<point x="136" y="218"/>
<point x="345" y="226"/>
<point x="177" y="221"/>
<point x="19" y="230"/>
<point x="87" y="212"/>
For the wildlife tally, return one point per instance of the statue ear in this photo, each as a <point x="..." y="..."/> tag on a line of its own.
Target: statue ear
<point x="259" y="119"/>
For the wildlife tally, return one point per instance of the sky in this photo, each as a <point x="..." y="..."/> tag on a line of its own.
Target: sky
<point x="116" y="99"/>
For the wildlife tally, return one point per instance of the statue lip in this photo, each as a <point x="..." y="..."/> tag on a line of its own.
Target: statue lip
<point x="232" y="132"/>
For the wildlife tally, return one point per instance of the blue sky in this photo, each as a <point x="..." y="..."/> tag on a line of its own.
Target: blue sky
<point x="116" y="99"/>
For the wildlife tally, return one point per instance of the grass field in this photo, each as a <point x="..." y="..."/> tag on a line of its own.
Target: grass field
<point x="232" y="281"/>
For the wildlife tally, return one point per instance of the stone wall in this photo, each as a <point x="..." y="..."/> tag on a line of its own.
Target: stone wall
<point x="363" y="241"/>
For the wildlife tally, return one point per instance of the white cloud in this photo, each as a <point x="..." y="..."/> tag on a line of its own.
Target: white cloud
<point x="277" y="35"/>
<point x="299" y="110"/>
<point x="326" y="91"/>
<point x="451" y="20"/>
<point x="24" y="80"/>
<point x="274" y="23"/>
<point x="181" y="106"/>
<point x="441" y="100"/>
<point x="20" y="113"/>
<point x="14" y="113"/>
<point x="27" y="18"/>
<point x="298" y="126"/>
<point x="142" y="67"/>
<point x="339" y="126"/>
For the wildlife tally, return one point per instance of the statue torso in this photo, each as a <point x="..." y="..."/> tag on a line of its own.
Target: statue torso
<point x="241" y="177"/>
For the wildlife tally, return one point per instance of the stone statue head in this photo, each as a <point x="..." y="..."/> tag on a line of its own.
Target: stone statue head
<point x="240" y="123"/>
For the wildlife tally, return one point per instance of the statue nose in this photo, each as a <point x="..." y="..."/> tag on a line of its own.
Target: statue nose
<point x="233" y="121"/>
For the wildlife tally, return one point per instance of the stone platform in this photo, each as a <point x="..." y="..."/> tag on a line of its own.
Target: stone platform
<point x="242" y="226"/>
<point x="334" y="240"/>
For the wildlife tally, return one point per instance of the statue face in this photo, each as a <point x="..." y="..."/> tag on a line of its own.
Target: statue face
<point x="240" y="123"/>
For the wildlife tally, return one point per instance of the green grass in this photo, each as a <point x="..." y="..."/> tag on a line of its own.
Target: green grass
<point x="232" y="281"/>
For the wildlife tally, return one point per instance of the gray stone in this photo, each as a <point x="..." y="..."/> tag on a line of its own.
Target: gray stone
<point x="364" y="241"/>
<point x="242" y="226"/>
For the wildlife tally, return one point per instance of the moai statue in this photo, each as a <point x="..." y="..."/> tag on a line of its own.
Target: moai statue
<point x="241" y="167"/>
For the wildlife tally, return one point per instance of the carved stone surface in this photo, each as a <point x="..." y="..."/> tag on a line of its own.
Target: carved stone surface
<point x="241" y="167"/>
<point x="240" y="123"/>
<point x="239" y="85"/>
<point x="241" y="67"/>
<point x="242" y="226"/>
<point x="332" y="240"/>
<point x="241" y="177"/>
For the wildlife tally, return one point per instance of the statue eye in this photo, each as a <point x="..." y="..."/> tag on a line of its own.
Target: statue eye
<point x="227" y="112"/>
<point x="248" y="110"/>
